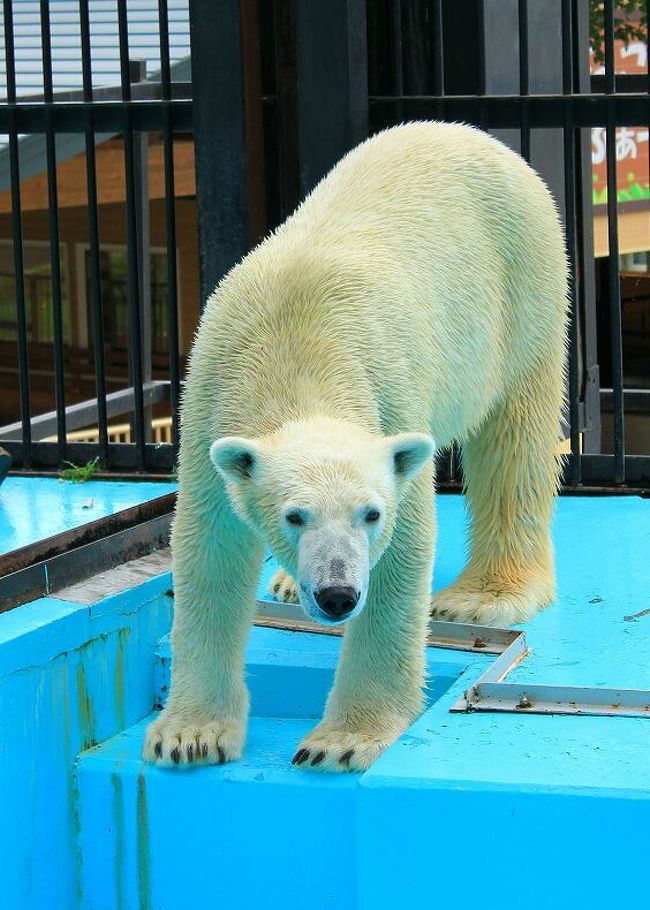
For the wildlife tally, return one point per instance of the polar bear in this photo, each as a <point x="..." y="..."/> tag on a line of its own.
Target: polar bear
<point x="417" y="297"/>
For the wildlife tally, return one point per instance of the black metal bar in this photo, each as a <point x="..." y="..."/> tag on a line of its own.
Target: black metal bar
<point x="616" y="328"/>
<point x="624" y="82"/>
<point x="95" y="286"/>
<point x="567" y="48"/>
<point x="123" y="455"/>
<point x="146" y="91"/>
<point x="221" y="190"/>
<point x="137" y="74"/>
<point x="170" y="226"/>
<point x="55" y="251"/>
<point x="481" y="117"/>
<point x="17" y="236"/>
<point x="165" y="65"/>
<point x="586" y="277"/>
<point x="524" y="80"/>
<point x="108" y="117"/>
<point x="504" y="111"/>
<point x="123" y="33"/>
<point x="133" y="265"/>
<point x="610" y="63"/>
<point x="438" y="50"/>
<point x="569" y="140"/>
<point x="397" y="57"/>
<point x="332" y="75"/>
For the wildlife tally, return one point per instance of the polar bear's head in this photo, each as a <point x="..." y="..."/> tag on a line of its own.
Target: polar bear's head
<point x="323" y="495"/>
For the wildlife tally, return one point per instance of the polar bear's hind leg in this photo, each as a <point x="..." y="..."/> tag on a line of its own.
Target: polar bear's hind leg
<point x="511" y="474"/>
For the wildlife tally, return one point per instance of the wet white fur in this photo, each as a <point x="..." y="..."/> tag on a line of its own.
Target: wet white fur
<point x="420" y="288"/>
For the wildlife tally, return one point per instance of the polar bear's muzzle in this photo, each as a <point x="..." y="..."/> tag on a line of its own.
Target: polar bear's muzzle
<point x="333" y="573"/>
<point x="337" y="602"/>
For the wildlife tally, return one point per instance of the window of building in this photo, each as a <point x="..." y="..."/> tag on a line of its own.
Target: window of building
<point x="114" y="284"/>
<point x="37" y="279"/>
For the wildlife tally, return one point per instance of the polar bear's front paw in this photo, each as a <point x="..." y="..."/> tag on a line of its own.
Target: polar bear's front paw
<point x="283" y="587"/>
<point x="331" y="748"/>
<point x="491" y="601"/>
<point x="182" y="741"/>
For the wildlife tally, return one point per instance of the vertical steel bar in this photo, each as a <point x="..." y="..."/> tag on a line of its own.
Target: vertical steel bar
<point x="481" y="62"/>
<point x="220" y="142"/>
<point x="133" y="295"/>
<point x="138" y="73"/>
<point x="55" y="250"/>
<point x="17" y="234"/>
<point x="616" y="328"/>
<point x="575" y="471"/>
<point x="588" y="368"/>
<point x="95" y="286"/>
<point x="332" y="83"/>
<point x="397" y="60"/>
<point x="170" y="224"/>
<point x="438" y="50"/>
<point x="524" y="80"/>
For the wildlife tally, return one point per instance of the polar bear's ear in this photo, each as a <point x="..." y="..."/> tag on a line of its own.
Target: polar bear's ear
<point x="409" y="453"/>
<point x="235" y="458"/>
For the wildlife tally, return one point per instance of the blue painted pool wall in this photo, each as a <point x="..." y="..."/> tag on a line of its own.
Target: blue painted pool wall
<point x="467" y="846"/>
<point x="70" y="675"/>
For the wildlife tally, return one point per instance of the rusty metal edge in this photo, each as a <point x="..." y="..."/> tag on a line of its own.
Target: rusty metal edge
<point x="50" y="575"/>
<point x="68" y="541"/>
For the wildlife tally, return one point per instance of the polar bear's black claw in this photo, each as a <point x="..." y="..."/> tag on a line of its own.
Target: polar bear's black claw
<point x="222" y="755"/>
<point x="158" y="750"/>
<point x="345" y="758"/>
<point x="175" y="755"/>
<point x="300" y="756"/>
<point x="318" y="759"/>
<point x="190" y="753"/>
<point x="203" y="748"/>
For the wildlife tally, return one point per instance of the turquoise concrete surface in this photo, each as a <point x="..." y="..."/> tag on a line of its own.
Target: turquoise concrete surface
<point x="495" y="811"/>
<point x="70" y="676"/>
<point x="33" y="508"/>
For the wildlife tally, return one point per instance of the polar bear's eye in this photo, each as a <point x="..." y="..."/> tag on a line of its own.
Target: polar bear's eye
<point x="372" y="516"/>
<point x="294" y="518"/>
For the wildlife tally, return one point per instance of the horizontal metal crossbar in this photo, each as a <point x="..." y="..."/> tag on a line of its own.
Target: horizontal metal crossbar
<point x="123" y="456"/>
<point x="84" y="413"/>
<point x="599" y="469"/>
<point x="506" y="111"/>
<point x="107" y="116"/>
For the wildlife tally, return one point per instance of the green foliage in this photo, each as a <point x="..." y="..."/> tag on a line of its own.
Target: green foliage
<point x="79" y="473"/>
<point x="624" y="29"/>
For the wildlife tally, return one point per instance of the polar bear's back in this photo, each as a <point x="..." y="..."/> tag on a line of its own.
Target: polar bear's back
<point x="431" y="254"/>
<point x="448" y="206"/>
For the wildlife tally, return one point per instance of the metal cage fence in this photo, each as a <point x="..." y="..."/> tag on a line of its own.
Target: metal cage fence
<point x="267" y="78"/>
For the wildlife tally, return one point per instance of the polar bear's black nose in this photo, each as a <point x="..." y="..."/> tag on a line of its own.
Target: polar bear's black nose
<point x="337" y="601"/>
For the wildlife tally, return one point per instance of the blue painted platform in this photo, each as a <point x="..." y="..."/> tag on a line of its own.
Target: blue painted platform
<point x="495" y="811"/>
<point x="34" y="508"/>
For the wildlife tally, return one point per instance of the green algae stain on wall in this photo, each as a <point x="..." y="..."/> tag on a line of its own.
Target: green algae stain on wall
<point x="142" y="827"/>
<point x="118" y="683"/>
<point x="118" y="835"/>
<point x="85" y="710"/>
